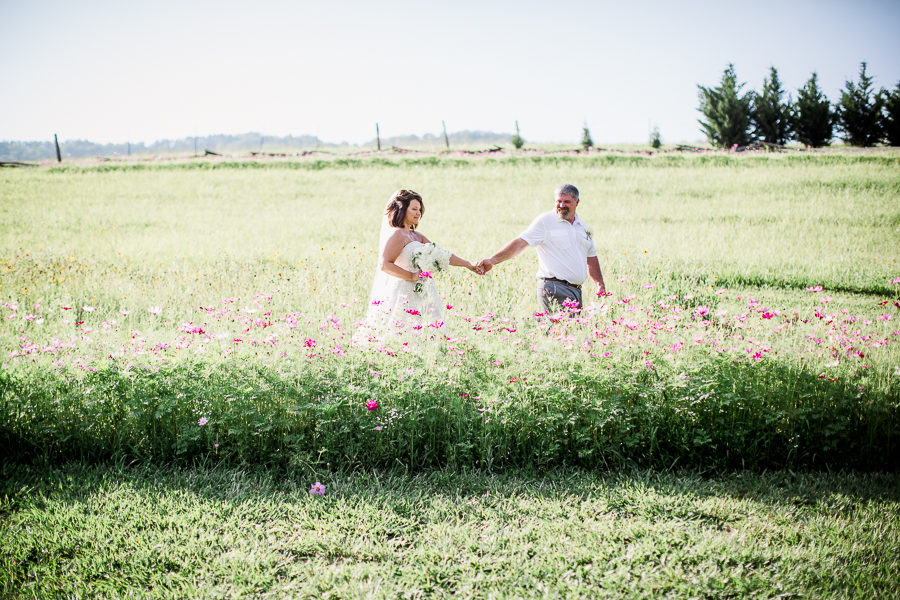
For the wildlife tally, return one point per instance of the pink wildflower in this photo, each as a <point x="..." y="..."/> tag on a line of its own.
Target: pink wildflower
<point x="317" y="489"/>
<point x="372" y="405"/>
<point x="203" y="421"/>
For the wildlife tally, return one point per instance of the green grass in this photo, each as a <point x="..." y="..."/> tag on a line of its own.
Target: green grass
<point x="210" y="532"/>
<point x="512" y="456"/>
<point x="273" y="260"/>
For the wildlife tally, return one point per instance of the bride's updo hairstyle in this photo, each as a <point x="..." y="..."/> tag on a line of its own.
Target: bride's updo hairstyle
<point x="398" y="204"/>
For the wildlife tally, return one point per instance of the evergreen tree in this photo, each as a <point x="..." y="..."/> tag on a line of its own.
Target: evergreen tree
<point x="655" y="140"/>
<point x="727" y="112"/>
<point x="812" y="117"/>
<point x="517" y="140"/>
<point x="859" y="111"/>
<point x="586" y="142"/>
<point x="771" y="116"/>
<point x="891" y="123"/>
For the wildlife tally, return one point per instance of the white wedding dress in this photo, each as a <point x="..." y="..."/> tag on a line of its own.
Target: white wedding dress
<point x="396" y="309"/>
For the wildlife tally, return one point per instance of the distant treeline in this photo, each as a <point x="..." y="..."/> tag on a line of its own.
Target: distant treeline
<point x="246" y="142"/>
<point x="863" y="115"/>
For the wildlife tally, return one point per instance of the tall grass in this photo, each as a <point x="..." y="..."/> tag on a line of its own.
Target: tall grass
<point x="752" y="319"/>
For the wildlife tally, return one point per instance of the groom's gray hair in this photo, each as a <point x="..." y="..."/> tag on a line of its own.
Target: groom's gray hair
<point x="568" y="189"/>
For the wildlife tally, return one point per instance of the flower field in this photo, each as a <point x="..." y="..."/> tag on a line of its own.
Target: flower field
<point x="207" y="310"/>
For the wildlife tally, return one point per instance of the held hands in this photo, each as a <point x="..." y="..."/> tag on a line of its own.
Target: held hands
<point x="483" y="266"/>
<point x="478" y="268"/>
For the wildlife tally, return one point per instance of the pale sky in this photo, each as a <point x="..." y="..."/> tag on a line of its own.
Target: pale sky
<point x="140" y="71"/>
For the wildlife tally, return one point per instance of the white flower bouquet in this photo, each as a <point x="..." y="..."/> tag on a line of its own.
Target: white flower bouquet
<point x="428" y="259"/>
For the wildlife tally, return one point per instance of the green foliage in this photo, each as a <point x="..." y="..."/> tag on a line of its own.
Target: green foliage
<point x="859" y="111"/>
<point x="771" y="115"/>
<point x="812" y="116"/>
<point x="586" y="142"/>
<point x="714" y="414"/>
<point x="517" y="140"/>
<point x="726" y="111"/>
<point x="891" y="101"/>
<point x="655" y="139"/>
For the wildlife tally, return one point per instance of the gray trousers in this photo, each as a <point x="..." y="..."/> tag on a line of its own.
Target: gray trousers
<point x="552" y="294"/>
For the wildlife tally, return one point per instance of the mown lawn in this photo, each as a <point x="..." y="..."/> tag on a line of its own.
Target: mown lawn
<point x="206" y="531"/>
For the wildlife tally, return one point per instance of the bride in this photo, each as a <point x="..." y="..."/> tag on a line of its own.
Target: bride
<point x="403" y="293"/>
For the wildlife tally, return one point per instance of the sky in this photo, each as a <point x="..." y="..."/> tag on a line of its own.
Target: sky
<point x="138" y="71"/>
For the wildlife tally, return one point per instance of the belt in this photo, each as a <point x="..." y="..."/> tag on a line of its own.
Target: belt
<point x="562" y="281"/>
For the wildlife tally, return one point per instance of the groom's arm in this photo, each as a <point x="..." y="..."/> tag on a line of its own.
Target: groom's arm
<point x="593" y="265"/>
<point x="507" y="252"/>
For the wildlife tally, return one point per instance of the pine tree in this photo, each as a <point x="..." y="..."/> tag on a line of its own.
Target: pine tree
<point x="586" y="142"/>
<point x="891" y="121"/>
<point x="812" y="117"/>
<point x="859" y="112"/>
<point x="655" y="140"/>
<point x="517" y="140"/>
<point x="771" y="116"/>
<point x="727" y="112"/>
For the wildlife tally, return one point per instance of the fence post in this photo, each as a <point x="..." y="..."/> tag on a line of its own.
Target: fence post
<point x="58" y="154"/>
<point x="378" y="136"/>
<point x="446" y="139"/>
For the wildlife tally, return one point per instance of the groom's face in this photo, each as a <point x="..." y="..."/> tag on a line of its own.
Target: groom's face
<point x="565" y="206"/>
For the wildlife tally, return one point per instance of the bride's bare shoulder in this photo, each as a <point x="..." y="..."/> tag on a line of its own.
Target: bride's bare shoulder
<point x="395" y="243"/>
<point x="398" y="234"/>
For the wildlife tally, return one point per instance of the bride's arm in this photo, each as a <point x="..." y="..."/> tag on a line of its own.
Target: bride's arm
<point x="456" y="261"/>
<point x="392" y="251"/>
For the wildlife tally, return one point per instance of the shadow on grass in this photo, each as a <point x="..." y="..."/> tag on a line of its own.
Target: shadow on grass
<point x="627" y="491"/>
<point x="435" y="530"/>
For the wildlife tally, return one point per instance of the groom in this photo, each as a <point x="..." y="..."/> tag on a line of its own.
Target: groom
<point x="565" y="250"/>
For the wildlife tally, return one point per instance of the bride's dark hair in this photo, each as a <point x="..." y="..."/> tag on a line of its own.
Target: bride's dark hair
<point x="398" y="204"/>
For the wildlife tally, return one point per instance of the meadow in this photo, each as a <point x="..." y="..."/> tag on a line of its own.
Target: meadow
<point x="176" y="342"/>
<point x="751" y="322"/>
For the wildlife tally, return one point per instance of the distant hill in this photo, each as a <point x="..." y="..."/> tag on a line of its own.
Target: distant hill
<point x="460" y="138"/>
<point x="222" y="143"/>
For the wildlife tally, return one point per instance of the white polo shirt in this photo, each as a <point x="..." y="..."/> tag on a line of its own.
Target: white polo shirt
<point x="562" y="248"/>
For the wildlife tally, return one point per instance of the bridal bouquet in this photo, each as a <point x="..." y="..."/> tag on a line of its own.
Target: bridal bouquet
<point x="429" y="258"/>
